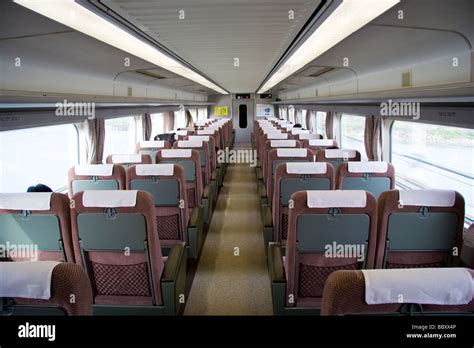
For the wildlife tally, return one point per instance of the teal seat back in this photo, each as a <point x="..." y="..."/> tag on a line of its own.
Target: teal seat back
<point x="188" y="165"/>
<point x="422" y="231"/>
<point x="42" y="230"/>
<point x="288" y="186"/>
<point x="165" y="191"/>
<point x="373" y="184"/>
<point x="93" y="184"/>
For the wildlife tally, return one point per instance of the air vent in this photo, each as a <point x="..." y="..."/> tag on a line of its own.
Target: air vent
<point x="129" y="91"/>
<point x="406" y="79"/>
<point x="201" y="90"/>
<point x="321" y="71"/>
<point x="315" y="92"/>
<point x="150" y="74"/>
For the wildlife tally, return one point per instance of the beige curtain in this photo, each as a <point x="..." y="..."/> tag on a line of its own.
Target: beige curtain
<point x="373" y="138"/>
<point x="330" y="125"/>
<point x="168" y="121"/>
<point x="146" y="126"/>
<point x="93" y="132"/>
<point x="310" y="117"/>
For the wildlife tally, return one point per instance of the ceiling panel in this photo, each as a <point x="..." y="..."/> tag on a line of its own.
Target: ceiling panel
<point x="215" y="32"/>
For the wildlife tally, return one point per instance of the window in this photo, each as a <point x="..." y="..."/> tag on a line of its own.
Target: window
<point x="120" y="136"/>
<point x="157" y="124"/>
<point x="243" y="116"/>
<point x="433" y="156"/>
<point x="352" y="133"/>
<point x="321" y="123"/>
<point x="304" y="112"/>
<point x="202" y="114"/>
<point x="37" y="155"/>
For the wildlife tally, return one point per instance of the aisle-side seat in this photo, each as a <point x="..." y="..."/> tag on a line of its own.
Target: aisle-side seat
<point x="44" y="288"/>
<point x="327" y="231"/>
<point x="40" y="222"/>
<point x="375" y="177"/>
<point x="167" y="184"/>
<point x="400" y="292"/>
<point x="419" y="228"/>
<point x="283" y="155"/>
<point x="116" y="241"/>
<point x="189" y="160"/>
<point x="215" y="173"/>
<point x="292" y="177"/>
<point x="95" y="177"/>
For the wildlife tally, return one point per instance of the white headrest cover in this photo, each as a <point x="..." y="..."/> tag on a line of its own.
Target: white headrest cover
<point x="165" y="169"/>
<point x="300" y="152"/>
<point x="26" y="201"/>
<point x="181" y="132"/>
<point x="26" y="279"/>
<point x="205" y="132"/>
<point x="199" y="137"/>
<point x="320" y="142"/>
<point x="287" y="126"/>
<point x="427" y="198"/>
<point x="282" y="143"/>
<point x="109" y="198"/>
<point x="339" y="153"/>
<point x="336" y="199"/>
<point x="184" y="153"/>
<point x="94" y="169"/>
<point x="127" y="158"/>
<point x="300" y="131"/>
<point x="201" y="123"/>
<point x="152" y="144"/>
<point x="190" y="143"/>
<point x="367" y="167"/>
<point x="277" y="136"/>
<point x="419" y="285"/>
<point x="303" y="136"/>
<point x="306" y="167"/>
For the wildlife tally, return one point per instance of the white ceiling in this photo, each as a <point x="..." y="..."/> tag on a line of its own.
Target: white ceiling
<point x="215" y="32"/>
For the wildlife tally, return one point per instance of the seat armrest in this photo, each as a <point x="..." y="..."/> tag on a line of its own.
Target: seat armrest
<point x="259" y="173"/>
<point x="275" y="264"/>
<point x="206" y="192"/>
<point x="267" y="216"/>
<point x="262" y="190"/>
<point x="173" y="263"/>
<point x="196" y="215"/>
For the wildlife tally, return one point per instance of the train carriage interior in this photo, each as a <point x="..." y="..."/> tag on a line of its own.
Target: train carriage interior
<point x="256" y="160"/>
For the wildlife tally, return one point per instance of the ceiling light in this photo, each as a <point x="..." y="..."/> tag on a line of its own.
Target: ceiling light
<point x="73" y="15"/>
<point x="348" y="17"/>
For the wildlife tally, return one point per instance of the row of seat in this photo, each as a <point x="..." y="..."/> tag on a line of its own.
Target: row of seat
<point x="128" y="225"/>
<point x="328" y="211"/>
<point x="341" y="230"/>
<point x="346" y="292"/>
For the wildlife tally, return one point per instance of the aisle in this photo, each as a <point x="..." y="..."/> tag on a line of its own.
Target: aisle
<point x="225" y="284"/>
